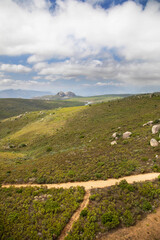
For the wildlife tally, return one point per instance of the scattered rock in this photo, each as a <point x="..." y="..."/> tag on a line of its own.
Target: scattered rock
<point x="18" y="117"/>
<point x="155" y="128"/>
<point x="31" y="180"/>
<point x="148" y="123"/>
<point x="42" y="197"/>
<point x="113" y="143"/>
<point x="114" y="135"/>
<point x="126" y="135"/>
<point x="153" y="142"/>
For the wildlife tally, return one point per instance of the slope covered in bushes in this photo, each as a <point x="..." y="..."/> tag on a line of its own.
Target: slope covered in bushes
<point x="74" y="144"/>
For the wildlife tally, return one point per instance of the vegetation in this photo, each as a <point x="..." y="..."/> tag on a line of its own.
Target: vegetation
<point x="73" y="144"/>
<point x="99" y="98"/>
<point x="12" y="107"/>
<point x="115" y="207"/>
<point x="93" y="99"/>
<point x="36" y="213"/>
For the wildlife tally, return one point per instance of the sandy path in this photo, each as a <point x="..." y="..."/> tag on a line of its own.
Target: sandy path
<point x="92" y="184"/>
<point x="75" y="216"/>
<point x="147" y="229"/>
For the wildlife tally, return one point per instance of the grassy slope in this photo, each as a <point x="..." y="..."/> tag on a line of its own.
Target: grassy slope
<point x="73" y="144"/>
<point x="36" y="213"/>
<point x="98" y="98"/>
<point x="93" y="99"/>
<point x="12" y="107"/>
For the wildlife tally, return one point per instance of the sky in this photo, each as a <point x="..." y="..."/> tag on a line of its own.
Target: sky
<point x="90" y="47"/>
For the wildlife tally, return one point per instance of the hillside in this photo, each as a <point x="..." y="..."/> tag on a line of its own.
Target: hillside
<point x="74" y="144"/>
<point x="69" y="96"/>
<point x="12" y="106"/>
<point x="19" y="93"/>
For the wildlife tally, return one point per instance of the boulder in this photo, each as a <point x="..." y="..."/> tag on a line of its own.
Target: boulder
<point x="148" y="123"/>
<point x="126" y="135"/>
<point x="153" y="142"/>
<point x="113" y="143"/>
<point x="114" y="135"/>
<point x="155" y="128"/>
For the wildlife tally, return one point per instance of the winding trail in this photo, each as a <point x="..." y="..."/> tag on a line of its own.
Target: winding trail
<point x="88" y="186"/>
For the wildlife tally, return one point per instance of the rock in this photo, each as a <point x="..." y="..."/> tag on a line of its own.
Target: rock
<point x="153" y="142"/>
<point x="114" y="135"/>
<point x="61" y="94"/>
<point x="31" y="180"/>
<point x="155" y="128"/>
<point x="66" y="94"/>
<point x="148" y="123"/>
<point x="113" y="143"/>
<point x="126" y="135"/>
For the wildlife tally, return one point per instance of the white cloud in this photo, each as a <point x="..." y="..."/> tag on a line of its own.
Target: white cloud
<point x="8" y="83"/>
<point x="15" y="68"/>
<point x="102" y="84"/>
<point x="87" y="35"/>
<point x="134" y="73"/>
<point x="79" y="29"/>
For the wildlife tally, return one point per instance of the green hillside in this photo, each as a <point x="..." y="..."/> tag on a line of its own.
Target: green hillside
<point x="99" y="98"/>
<point x="92" y="99"/>
<point x="74" y="144"/>
<point x="12" y="106"/>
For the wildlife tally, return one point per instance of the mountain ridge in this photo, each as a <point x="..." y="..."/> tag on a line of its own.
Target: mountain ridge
<point x="19" y="93"/>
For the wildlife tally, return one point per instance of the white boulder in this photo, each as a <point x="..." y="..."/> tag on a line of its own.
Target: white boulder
<point x="114" y="135"/>
<point x="148" y="123"/>
<point x="126" y="135"/>
<point x="153" y="142"/>
<point x="155" y="128"/>
<point x="113" y="143"/>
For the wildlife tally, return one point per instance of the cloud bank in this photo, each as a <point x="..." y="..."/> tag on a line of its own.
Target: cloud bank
<point x="82" y="40"/>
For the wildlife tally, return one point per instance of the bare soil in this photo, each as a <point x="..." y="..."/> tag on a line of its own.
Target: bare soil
<point x="147" y="229"/>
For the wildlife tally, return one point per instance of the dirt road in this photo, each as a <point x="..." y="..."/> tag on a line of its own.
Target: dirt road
<point x="92" y="184"/>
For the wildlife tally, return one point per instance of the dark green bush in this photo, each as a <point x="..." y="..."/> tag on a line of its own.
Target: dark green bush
<point x="84" y="213"/>
<point x="146" y="206"/>
<point x="110" y="219"/>
<point x="128" y="219"/>
<point x="49" y="149"/>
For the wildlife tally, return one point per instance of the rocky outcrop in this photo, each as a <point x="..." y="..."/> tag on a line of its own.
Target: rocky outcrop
<point x="153" y="142"/>
<point x="114" y="135"/>
<point x="66" y="94"/>
<point x="126" y="135"/>
<point x="148" y="123"/>
<point x="61" y="94"/>
<point x="155" y="129"/>
<point x="113" y="143"/>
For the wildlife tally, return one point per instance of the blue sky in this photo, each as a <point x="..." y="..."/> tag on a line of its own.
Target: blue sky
<point x="89" y="47"/>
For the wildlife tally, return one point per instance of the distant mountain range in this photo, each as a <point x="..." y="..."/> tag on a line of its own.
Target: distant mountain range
<point x="19" y="93"/>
